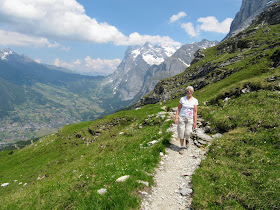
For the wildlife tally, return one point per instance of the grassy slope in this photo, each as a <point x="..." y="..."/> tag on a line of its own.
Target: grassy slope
<point x="242" y="169"/>
<point x="74" y="171"/>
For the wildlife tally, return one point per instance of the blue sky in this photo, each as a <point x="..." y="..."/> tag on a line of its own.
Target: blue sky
<point x="92" y="36"/>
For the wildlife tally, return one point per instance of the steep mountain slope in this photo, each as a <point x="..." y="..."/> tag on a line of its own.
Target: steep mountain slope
<point x="173" y="65"/>
<point x="250" y="9"/>
<point x="128" y="79"/>
<point x="37" y="99"/>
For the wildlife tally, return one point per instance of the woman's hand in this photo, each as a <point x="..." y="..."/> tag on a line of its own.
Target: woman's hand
<point x="176" y="120"/>
<point x="194" y="126"/>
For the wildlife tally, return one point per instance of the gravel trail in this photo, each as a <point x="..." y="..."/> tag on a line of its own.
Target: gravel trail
<point x="173" y="188"/>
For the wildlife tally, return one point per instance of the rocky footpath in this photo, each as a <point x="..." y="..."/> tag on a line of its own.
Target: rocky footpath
<point x="173" y="183"/>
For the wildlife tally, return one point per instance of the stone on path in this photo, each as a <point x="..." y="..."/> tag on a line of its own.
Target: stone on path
<point x="123" y="178"/>
<point x="143" y="182"/>
<point x="151" y="143"/>
<point x="187" y="174"/>
<point x="186" y="191"/>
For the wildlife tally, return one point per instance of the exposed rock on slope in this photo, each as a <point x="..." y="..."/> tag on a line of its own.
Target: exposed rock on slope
<point x="270" y="17"/>
<point x="250" y="9"/>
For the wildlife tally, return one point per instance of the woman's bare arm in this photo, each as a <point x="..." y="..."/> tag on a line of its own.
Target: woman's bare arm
<point x="177" y="113"/>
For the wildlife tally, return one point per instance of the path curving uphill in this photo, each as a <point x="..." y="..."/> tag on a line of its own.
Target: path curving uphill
<point x="173" y="184"/>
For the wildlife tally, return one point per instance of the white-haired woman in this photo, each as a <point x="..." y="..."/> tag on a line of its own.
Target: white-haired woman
<point x="186" y="117"/>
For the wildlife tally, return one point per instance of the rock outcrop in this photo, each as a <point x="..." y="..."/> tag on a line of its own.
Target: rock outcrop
<point x="250" y="9"/>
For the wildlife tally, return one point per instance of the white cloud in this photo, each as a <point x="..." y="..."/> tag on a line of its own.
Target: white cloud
<point x="103" y="65"/>
<point x="212" y="24"/>
<point x="71" y="65"/>
<point x="137" y="39"/>
<point x="16" y="39"/>
<point x="57" y="45"/>
<point x="9" y="38"/>
<point x="189" y="28"/>
<point x="60" y="19"/>
<point x="90" y="66"/>
<point x="77" y="62"/>
<point x="209" y="23"/>
<point x="176" y="17"/>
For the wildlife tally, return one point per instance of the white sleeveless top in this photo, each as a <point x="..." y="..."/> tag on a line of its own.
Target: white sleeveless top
<point x="187" y="106"/>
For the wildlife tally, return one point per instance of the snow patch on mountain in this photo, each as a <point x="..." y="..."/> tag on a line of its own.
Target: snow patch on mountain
<point x="152" y="54"/>
<point x="206" y="44"/>
<point x="135" y="53"/>
<point x="155" y="54"/>
<point x="152" y="59"/>
<point x="187" y="65"/>
<point x="169" y="51"/>
<point x="4" y="53"/>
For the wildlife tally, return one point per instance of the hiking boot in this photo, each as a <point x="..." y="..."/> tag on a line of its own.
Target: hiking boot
<point x="182" y="150"/>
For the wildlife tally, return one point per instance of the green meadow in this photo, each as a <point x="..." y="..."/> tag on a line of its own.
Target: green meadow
<point x="66" y="169"/>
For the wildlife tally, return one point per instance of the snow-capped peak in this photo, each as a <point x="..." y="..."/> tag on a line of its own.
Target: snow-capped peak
<point x="4" y="53"/>
<point x="135" y="53"/>
<point x="153" y="54"/>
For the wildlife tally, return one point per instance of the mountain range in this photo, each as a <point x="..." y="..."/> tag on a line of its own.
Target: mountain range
<point x="237" y="84"/>
<point x="173" y="65"/>
<point x="128" y="79"/>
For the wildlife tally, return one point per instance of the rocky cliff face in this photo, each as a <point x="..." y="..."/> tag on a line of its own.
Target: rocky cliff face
<point x="229" y="58"/>
<point x="270" y="17"/>
<point x="250" y="9"/>
<point x="128" y="79"/>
